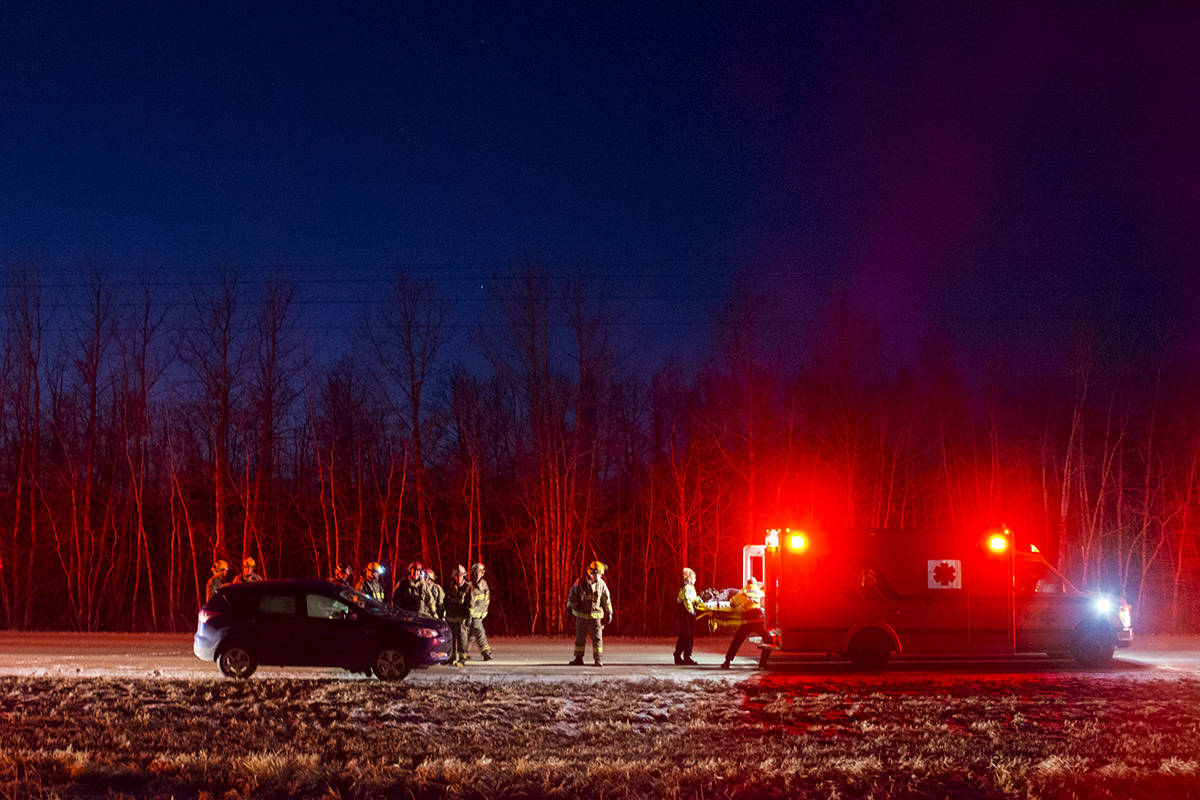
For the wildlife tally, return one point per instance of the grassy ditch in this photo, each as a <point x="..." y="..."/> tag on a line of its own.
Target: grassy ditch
<point x="1021" y="737"/>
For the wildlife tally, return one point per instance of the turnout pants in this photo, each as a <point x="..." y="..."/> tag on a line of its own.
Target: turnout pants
<point x="585" y="627"/>
<point x="475" y="633"/>
<point x="458" y="635"/>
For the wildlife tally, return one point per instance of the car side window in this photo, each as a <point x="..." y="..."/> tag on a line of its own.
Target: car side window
<point x="277" y="604"/>
<point x="322" y="607"/>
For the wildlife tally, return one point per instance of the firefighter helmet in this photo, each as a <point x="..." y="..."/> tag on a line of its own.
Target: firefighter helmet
<point x="477" y="568"/>
<point x="220" y="565"/>
<point x="374" y="568"/>
<point x="597" y="567"/>
<point x="249" y="562"/>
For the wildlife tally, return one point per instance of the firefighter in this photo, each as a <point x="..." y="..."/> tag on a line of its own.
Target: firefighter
<point x="412" y="594"/>
<point x="590" y="603"/>
<point x="687" y="604"/>
<point x="248" y="574"/>
<point x="477" y="611"/>
<point x="343" y="575"/>
<point x="748" y="602"/>
<point x="458" y="601"/>
<point x="369" y="584"/>
<point x="437" y="595"/>
<point x="220" y="572"/>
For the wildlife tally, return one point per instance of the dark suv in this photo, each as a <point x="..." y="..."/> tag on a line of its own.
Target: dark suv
<point x="314" y="624"/>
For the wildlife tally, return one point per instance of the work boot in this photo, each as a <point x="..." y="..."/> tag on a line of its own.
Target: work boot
<point x="598" y="663"/>
<point x="487" y="656"/>
<point x="577" y="662"/>
<point x="678" y="659"/>
<point x="724" y="665"/>
<point x="690" y="662"/>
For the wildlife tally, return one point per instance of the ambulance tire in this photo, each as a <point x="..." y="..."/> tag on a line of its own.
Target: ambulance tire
<point x="870" y="649"/>
<point x="1092" y="645"/>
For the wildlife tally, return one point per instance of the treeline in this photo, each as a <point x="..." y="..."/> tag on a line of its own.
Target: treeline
<point x="147" y="431"/>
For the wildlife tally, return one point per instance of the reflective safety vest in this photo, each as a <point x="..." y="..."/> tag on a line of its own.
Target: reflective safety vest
<point x="588" y="600"/>
<point x="687" y="601"/>
<point x="481" y="596"/>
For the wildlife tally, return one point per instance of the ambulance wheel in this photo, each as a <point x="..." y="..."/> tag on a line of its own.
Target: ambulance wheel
<point x="870" y="649"/>
<point x="1092" y="645"/>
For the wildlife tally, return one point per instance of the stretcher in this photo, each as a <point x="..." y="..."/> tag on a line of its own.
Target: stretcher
<point x="716" y="613"/>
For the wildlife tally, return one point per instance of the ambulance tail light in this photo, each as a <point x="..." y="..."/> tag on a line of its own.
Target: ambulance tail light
<point x="997" y="543"/>
<point x="797" y="542"/>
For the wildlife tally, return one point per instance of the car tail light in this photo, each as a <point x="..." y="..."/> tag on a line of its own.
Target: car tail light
<point x="205" y="616"/>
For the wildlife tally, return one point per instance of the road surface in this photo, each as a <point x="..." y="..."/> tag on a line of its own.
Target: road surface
<point x="169" y="656"/>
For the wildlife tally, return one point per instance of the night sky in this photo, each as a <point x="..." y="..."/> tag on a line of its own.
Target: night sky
<point x="985" y="179"/>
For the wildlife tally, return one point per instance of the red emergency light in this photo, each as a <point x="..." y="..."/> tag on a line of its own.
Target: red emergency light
<point x="797" y="542"/>
<point x="997" y="543"/>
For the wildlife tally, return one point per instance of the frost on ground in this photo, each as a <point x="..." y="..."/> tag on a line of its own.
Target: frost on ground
<point x="772" y="736"/>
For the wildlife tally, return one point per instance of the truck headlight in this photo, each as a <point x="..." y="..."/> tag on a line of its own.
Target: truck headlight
<point x="1103" y="605"/>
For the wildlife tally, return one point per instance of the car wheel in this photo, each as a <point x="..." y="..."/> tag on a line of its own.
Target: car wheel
<point x="870" y="649"/>
<point x="1092" y="646"/>
<point x="390" y="664"/>
<point x="238" y="662"/>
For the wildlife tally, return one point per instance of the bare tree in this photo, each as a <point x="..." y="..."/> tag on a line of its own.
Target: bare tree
<point x="406" y="336"/>
<point x="212" y="347"/>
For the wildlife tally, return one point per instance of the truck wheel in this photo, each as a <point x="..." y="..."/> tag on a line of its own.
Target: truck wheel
<point x="764" y="655"/>
<point x="1092" y="645"/>
<point x="870" y="649"/>
<point x="238" y="662"/>
<point x="390" y="663"/>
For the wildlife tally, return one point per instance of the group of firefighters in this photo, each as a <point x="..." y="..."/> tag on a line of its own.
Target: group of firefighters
<point x="463" y="605"/>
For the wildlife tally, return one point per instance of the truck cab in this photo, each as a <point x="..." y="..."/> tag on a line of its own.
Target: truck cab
<point x="866" y="595"/>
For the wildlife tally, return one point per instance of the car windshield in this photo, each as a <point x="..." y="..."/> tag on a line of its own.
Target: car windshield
<point x="362" y="601"/>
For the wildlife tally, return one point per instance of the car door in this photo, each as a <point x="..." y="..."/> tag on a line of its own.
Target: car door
<point x="334" y="632"/>
<point x="278" y="628"/>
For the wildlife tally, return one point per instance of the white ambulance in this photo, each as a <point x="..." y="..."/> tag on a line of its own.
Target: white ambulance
<point x="867" y="595"/>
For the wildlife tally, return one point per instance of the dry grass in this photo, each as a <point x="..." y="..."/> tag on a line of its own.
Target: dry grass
<point x="1020" y="737"/>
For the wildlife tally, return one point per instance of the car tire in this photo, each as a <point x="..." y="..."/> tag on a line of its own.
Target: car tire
<point x="1092" y="646"/>
<point x="237" y="662"/>
<point x="390" y="664"/>
<point x="870" y="649"/>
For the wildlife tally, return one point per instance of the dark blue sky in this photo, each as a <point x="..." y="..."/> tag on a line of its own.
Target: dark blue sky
<point x="938" y="172"/>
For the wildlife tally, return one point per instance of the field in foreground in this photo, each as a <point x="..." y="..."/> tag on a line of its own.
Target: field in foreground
<point x="1003" y="737"/>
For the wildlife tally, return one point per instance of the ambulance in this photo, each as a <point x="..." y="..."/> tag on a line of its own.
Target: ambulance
<point x="867" y="595"/>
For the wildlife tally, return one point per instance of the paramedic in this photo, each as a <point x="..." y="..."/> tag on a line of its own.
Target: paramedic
<point x="687" y="604"/>
<point x="749" y="603"/>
